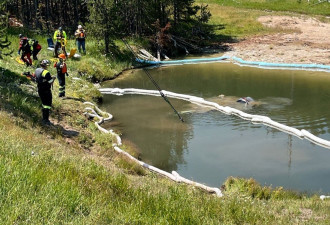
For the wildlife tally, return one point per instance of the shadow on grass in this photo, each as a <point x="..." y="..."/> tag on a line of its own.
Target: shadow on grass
<point x="59" y="129"/>
<point x="15" y="99"/>
<point x="219" y="42"/>
<point x="202" y="38"/>
<point x="72" y="98"/>
<point x="19" y="98"/>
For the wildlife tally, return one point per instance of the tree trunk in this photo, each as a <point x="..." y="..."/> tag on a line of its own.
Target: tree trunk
<point x="46" y="17"/>
<point x="76" y="16"/>
<point x="106" y="42"/>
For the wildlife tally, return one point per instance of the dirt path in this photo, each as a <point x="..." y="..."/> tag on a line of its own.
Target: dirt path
<point x="308" y="42"/>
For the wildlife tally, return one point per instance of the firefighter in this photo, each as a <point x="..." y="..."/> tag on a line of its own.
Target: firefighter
<point x="60" y="41"/>
<point x="25" y="48"/>
<point x="36" y="48"/>
<point x="45" y="82"/>
<point x="61" y="72"/>
<point x="80" y="35"/>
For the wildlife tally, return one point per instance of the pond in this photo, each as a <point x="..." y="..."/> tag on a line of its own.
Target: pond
<point x="211" y="146"/>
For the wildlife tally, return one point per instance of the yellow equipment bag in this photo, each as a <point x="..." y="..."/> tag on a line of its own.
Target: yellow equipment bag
<point x="19" y="60"/>
<point x="72" y="52"/>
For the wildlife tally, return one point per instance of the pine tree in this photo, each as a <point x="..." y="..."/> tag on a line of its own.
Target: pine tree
<point x="102" y="21"/>
<point x="4" y="43"/>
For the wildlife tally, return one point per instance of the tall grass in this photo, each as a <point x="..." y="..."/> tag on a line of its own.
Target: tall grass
<point x="236" y="23"/>
<point x="43" y="181"/>
<point x="238" y="19"/>
<point x="298" y="6"/>
<point x="68" y="174"/>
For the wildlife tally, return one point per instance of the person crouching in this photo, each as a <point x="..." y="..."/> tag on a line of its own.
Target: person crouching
<point x="25" y="48"/>
<point x="61" y="72"/>
<point x="45" y="82"/>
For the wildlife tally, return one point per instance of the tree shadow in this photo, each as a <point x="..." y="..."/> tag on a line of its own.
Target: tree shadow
<point x="17" y="95"/>
<point x="19" y="98"/>
<point x="197" y="38"/>
<point x="218" y="42"/>
<point x="72" y="98"/>
<point x="64" y="132"/>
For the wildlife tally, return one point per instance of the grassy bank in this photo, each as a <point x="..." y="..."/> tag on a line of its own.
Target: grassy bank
<point x="313" y="7"/>
<point x="94" y="66"/>
<point x="238" y="19"/>
<point x="48" y="179"/>
<point x="69" y="174"/>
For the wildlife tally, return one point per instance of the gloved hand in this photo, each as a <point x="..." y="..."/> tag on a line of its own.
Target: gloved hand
<point x="67" y="74"/>
<point x="19" y="52"/>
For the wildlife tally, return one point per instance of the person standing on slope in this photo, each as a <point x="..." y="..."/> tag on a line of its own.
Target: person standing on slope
<point x="80" y="35"/>
<point x="61" y="72"/>
<point x="60" y="41"/>
<point x="44" y="83"/>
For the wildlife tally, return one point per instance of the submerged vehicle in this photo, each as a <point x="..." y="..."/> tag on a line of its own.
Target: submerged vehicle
<point x="245" y="100"/>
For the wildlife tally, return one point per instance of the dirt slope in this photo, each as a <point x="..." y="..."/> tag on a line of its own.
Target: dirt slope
<point x="307" y="42"/>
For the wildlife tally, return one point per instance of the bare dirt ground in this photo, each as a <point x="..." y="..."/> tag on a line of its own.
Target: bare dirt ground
<point x="307" y="41"/>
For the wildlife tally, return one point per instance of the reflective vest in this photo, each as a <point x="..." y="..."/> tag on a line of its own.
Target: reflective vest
<point x="43" y="82"/>
<point x="58" y="34"/>
<point x="61" y="67"/>
<point x="64" y="68"/>
<point x="80" y="34"/>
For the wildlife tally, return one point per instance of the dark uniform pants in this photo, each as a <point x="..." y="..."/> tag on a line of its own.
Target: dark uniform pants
<point x="46" y="100"/>
<point x="35" y="53"/>
<point x="27" y="60"/>
<point x="61" y="81"/>
<point x="57" y="47"/>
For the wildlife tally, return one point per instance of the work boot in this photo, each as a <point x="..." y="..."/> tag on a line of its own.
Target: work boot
<point x="45" y="117"/>
<point x="46" y="122"/>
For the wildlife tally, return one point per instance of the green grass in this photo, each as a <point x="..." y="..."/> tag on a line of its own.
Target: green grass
<point x="45" y="181"/>
<point x="236" y="23"/>
<point x="94" y="66"/>
<point x="297" y="6"/>
<point x="235" y="20"/>
<point x="50" y="177"/>
<point x="69" y="174"/>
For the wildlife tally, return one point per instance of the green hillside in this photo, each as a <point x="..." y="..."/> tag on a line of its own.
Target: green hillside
<point x="69" y="173"/>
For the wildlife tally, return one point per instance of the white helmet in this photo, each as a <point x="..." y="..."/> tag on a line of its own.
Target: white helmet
<point x="45" y="62"/>
<point x="79" y="27"/>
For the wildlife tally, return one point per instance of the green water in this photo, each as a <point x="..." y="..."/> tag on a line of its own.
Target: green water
<point x="210" y="146"/>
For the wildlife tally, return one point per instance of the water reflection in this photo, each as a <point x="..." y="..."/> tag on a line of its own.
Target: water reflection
<point x="289" y="152"/>
<point x="210" y="146"/>
<point x="164" y="139"/>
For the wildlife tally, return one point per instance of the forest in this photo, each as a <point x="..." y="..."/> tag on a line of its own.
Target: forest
<point x="168" y="24"/>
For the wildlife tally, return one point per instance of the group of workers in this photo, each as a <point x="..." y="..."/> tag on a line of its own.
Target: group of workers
<point x="61" y="39"/>
<point x="42" y="75"/>
<point x="28" y="47"/>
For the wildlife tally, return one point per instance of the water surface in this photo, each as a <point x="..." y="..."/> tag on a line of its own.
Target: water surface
<point x="211" y="146"/>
